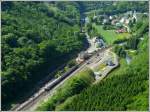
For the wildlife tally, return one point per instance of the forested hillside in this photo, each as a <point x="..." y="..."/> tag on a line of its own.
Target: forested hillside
<point x="113" y="7"/>
<point x="124" y="89"/>
<point x="37" y="37"/>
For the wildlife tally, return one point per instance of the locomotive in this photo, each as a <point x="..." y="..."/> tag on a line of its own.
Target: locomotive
<point x="61" y="78"/>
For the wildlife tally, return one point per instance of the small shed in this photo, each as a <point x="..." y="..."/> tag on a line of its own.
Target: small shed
<point x="81" y="57"/>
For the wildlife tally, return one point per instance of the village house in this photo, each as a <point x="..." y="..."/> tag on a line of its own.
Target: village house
<point x="110" y="17"/>
<point x="127" y="21"/>
<point x="81" y="57"/>
<point x="105" y="21"/>
<point x="113" y="22"/>
<point x="122" y="20"/>
<point x="122" y="30"/>
<point x="99" y="43"/>
<point x="118" y="24"/>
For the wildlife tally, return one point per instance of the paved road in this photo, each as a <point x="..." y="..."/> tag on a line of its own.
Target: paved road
<point x="92" y="46"/>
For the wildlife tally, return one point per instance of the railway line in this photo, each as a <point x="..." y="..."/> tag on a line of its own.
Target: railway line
<point x="51" y="85"/>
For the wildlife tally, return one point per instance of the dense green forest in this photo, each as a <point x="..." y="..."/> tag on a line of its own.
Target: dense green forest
<point x="113" y="7"/>
<point x="37" y="37"/>
<point x="73" y="86"/>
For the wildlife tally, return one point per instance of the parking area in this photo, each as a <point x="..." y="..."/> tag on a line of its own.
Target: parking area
<point x="103" y="63"/>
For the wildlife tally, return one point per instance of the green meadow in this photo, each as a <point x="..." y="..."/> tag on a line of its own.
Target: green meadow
<point x="110" y="35"/>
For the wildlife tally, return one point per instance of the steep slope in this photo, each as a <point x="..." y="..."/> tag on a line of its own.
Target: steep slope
<point x="126" y="91"/>
<point x="37" y="37"/>
<point x="126" y="88"/>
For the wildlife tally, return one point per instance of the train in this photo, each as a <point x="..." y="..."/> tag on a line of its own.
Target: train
<point x="48" y="88"/>
<point x="71" y="71"/>
<point x="61" y="78"/>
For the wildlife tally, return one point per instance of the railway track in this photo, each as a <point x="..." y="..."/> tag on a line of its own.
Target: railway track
<point x="32" y="100"/>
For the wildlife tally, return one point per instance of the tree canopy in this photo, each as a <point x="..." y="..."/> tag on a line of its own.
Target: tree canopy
<point x="36" y="38"/>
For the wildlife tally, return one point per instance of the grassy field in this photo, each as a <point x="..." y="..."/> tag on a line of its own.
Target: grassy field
<point x="109" y="35"/>
<point x="100" y="67"/>
<point x="131" y="53"/>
